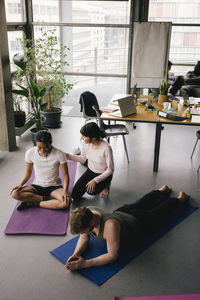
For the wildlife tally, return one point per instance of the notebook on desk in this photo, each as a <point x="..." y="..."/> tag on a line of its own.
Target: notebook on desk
<point x="126" y="107"/>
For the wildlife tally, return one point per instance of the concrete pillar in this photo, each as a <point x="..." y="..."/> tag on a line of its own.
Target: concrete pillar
<point x="7" y="128"/>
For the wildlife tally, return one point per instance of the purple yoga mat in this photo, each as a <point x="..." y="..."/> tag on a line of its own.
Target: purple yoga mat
<point x="40" y="220"/>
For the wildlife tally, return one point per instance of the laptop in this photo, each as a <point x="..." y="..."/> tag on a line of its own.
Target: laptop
<point x="126" y="107"/>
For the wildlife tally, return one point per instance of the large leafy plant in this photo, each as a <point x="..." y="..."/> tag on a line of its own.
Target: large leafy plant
<point x="163" y="87"/>
<point x="47" y="58"/>
<point x="31" y="91"/>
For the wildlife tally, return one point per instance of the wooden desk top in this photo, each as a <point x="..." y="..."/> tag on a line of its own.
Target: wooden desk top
<point x="146" y="116"/>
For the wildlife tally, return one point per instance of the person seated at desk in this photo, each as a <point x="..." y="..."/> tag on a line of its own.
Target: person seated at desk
<point x="125" y="225"/>
<point x="192" y="79"/>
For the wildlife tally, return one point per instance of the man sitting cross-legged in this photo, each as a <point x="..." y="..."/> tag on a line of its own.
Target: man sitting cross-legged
<point x="121" y="227"/>
<point x="46" y="190"/>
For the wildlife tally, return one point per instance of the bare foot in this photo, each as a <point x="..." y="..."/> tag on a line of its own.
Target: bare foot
<point x="165" y="189"/>
<point x="105" y="193"/>
<point x="183" y="197"/>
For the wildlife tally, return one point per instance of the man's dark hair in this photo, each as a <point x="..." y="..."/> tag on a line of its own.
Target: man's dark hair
<point x="92" y="130"/>
<point x="44" y="136"/>
<point x="169" y="63"/>
<point x="197" y="68"/>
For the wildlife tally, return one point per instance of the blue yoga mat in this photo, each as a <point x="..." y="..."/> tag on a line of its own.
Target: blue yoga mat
<point x="100" y="274"/>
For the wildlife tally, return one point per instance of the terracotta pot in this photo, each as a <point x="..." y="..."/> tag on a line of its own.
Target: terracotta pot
<point x="162" y="99"/>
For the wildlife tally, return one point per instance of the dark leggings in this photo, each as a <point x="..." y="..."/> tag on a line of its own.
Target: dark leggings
<point x="152" y="209"/>
<point x="80" y="186"/>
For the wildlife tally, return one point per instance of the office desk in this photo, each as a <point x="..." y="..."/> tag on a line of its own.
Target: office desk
<point x="143" y="116"/>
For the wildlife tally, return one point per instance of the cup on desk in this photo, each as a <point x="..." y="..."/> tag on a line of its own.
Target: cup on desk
<point x="180" y="106"/>
<point x="165" y="105"/>
<point x="175" y="104"/>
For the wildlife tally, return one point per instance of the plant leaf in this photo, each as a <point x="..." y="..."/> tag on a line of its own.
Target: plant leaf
<point x="35" y="88"/>
<point x="22" y="87"/>
<point x="21" y="92"/>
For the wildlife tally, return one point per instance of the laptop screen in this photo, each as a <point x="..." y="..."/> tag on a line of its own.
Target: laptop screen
<point x="127" y="106"/>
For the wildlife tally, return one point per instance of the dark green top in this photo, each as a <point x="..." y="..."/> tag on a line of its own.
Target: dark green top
<point x="130" y="227"/>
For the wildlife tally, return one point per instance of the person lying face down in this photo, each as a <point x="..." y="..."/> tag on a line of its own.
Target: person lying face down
<point x="46" y="190"/>
<point x="127" y="223"/>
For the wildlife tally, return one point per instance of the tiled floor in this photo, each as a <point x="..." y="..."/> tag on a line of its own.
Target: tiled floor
<point x="170" y="266"/>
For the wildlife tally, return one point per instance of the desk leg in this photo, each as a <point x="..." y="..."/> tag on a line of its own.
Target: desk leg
<point x="157" y="146"/>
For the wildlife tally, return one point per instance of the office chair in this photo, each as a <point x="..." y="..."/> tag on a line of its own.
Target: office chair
<point x="87" y="100"/>
<point x="112" y="130"/>
<point x="198" y="137"/>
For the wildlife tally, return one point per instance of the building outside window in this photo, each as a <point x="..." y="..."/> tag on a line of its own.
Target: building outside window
<point x="185" y="39"/>
<point x="99" y="49"/>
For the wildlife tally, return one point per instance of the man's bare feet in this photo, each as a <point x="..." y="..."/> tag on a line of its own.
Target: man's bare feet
<point x="183" y="197"/>
<point x="165" y="189"/>
<point x="105" y="193"/>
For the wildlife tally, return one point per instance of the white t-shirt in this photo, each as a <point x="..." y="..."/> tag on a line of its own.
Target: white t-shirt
<point x="46" y="167"/>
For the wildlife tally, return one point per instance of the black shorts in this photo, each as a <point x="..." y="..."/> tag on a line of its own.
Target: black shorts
<point x="46" y="191"/>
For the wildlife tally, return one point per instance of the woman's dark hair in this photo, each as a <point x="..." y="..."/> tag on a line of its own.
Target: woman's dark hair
<point x="44" y="136"/>
<point x="92" y="130"/>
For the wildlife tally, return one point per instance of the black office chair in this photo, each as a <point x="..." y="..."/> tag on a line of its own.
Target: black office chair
<point x="87" y="100"/>
<point x="198" y="138"/>
<point x="112" y="130"/>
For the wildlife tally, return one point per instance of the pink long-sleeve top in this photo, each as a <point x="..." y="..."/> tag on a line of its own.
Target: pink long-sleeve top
<point x="100" y="160"/>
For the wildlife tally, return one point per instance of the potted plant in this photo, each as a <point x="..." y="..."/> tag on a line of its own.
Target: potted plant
<point x="33" y="93"/>
<point x="49" y="57"/>
<point x="19" y="114"/>
<point x="163" y="88"/>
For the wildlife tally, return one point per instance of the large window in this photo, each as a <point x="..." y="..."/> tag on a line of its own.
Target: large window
<point x="98" y="39"/>
<point x="185" y="39"/>
<point x="94" y="50"/>
<point x="97" y="12"/>
<point x="15" y="10"/>
<point x="176" y="11"/>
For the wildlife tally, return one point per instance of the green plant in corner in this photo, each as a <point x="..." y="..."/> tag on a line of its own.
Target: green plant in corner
<point x="31" y="91"/>
<point x="51" y="59"/>
<point x="47" y="58"/>
<point x="163" y="87"/>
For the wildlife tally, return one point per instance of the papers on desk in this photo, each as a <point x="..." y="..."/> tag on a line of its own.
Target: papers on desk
<point x="195" y="111"/>
<point x="195" y="119"/>
<point x="109" y="108"/>
<point x="193" y="100"/>
<point x="116" y="114"/>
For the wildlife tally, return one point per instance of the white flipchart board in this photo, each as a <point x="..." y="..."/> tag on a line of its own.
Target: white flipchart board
<point x="150" y="52"/>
